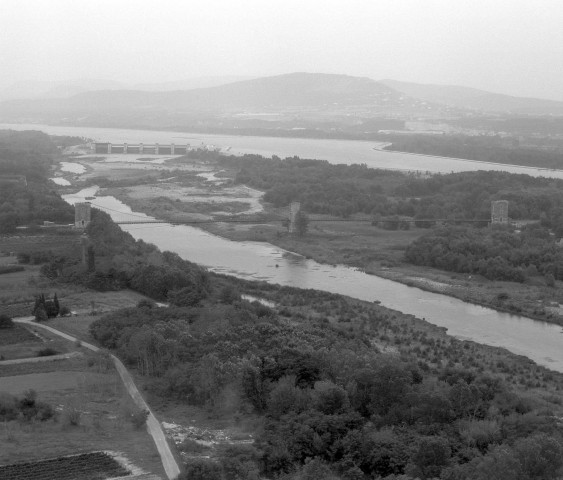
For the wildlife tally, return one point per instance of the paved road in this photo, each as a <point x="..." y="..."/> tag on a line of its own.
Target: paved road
<point x="153" y="426"/>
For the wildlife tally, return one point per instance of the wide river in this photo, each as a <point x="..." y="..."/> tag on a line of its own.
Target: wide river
<point x="539" y="341"/>
<point x="334" y="151"/>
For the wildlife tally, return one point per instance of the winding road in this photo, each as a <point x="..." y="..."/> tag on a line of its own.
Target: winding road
<point x="153" y="425"/>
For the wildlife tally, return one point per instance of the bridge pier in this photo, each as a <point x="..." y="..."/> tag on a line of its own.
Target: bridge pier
<point x="141" y="148"/>
<point x="124" y="148"/>
<point x="109" y="148"/>
<point x="294" y="208"/>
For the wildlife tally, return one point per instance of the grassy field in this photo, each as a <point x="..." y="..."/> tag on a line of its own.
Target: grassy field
<point x="93" y="413"/>
<point x="77" y="326"/>
<point x="17" y="334"/>
<point x="26" y="344"/>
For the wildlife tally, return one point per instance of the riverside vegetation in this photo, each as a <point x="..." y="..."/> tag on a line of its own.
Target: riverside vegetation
<point x="408" y="227"/>
<point x="341" y="388"/>
<point x="338" y="388"/>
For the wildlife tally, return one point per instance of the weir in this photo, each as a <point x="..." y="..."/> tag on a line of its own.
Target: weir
<point x="141" y="148"/>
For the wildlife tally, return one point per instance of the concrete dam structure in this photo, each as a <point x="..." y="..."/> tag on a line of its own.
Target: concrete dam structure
<point x="142" y="148"/>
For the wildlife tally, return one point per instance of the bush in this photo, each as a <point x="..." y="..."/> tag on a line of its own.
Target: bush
<point x="146" y="303"/>
<point x="47" y="352"/>
<point x="191" y="446"/>
<point x="40" y="314"/>
<point x="27" y="407"/>
<point x="139" y="418"/>
<point x="64" y="311"/>
<point x="200" y="469"/>
<point x="6" y="322"/>
<point x="10" y="269"/>
<point x="8" y="407"/>
<point x="71" y="413"/>
<point x="240" y="461"/>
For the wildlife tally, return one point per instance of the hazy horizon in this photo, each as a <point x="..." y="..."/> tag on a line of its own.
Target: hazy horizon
<point x="511" y="48"/>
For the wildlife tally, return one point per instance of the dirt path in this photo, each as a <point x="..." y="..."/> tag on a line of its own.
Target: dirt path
<point x="153" y="426"/>
<point x="50" y="358"/>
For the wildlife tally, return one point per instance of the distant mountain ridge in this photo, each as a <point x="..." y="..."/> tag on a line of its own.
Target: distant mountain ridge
<point x="475" y="99"/>
<point x="324" y="97"/>
<point x="291" y="91"/>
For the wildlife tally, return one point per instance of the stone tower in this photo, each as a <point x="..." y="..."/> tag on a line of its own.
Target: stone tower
<point x="82" y="214"/>
<point x="294" y="208"/>
<point x="499" y="212"/>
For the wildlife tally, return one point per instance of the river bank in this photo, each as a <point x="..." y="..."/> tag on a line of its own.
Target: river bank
<point x="203" y="191"/>
<point x="357" y="244"/>
<point x="381" y="253"/>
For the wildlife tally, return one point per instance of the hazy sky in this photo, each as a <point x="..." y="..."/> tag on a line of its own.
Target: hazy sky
<point x="509" y="46"/>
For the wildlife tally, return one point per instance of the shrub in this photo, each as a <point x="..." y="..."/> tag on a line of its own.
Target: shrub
<point x="146" y="303"/>
<point x="27" y="407"/>
<point x="285" y="397"/>
<point x="139" y="418"/>
<point x="8" y="407"/>
<point x="200" y="469"/>
<point x="191" y="446"/>
<point x="40" y="314"/>
<point x="316" y="470"/>
<point x="240" y="461"/>
<point x="11" y="269"/>
<point x="330" y="398"/>
<point x="64" y="311"/>
<point x="47" y="352"/>
<point x="6" y="322"/>
<point x="71" y="414"/>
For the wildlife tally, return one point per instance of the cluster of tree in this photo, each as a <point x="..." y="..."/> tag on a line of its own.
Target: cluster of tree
<point x="68" y="140"/>
<point x="26" y="407"/>
<point x="345" y="190"/>
<point x="115" y="260"/>
<point x="28" y="154"/>
<point x="494" y="149"/>
<point x="45" y="308"/>
<point x="333" y="406"/>
<point x="497" y="253"/>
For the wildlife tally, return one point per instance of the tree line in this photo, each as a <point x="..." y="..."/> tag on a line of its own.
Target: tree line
<point x="332" y="404"/>
<point x="497" y="254"/>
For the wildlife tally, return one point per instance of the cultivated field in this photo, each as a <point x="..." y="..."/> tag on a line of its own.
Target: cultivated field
<point x="93" y="411"/>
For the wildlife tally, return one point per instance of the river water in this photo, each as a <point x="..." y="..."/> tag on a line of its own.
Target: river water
<point x="539" y="341"/>
<point x="334" y="151"/>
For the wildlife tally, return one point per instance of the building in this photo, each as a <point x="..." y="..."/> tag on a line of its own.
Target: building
<point x="82" y="214"/>
<point x="499" y="212"/>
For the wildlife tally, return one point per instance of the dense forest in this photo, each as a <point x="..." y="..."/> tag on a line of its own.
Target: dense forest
<point x="346" y="190"/>
<point x="116" y="261"/>
<point x="494" y="149"/>
<point x="345" y="390"/>
<point x="497" y="254"/>
<point x="29" y="154"/>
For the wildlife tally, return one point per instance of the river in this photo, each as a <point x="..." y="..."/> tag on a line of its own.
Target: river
<point x="334" y="151"/>
<point x="540" y="341"/>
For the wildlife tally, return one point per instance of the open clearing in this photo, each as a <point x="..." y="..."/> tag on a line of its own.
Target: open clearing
<point x="88" y="390"/>
<point x="28" y="343"/>
<point x="78" y="326"/>
<point x="49" y="382"/>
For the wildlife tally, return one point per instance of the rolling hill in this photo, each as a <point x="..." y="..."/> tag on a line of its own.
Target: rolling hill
<point x="474" y="99"/>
